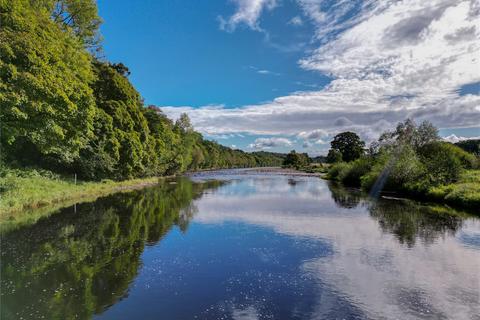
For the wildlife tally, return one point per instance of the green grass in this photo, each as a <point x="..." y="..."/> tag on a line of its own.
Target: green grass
<point x="24" y="190"/>
<point x="316" y="168"/>
<point x="464" y="192"/>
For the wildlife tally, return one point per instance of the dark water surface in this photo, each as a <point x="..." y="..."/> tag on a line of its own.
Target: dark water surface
<point x="244" y="245"/>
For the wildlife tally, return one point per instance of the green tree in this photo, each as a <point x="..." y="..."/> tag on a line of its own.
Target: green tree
<point x="349" y="145"/>
<point x="334" y="156"/>
<point x="296" y="160"/>
<point x="78" y="16"/>
<point x="116" y="96"/>
<point x="46" y="104"/>
<point x="471" y="145"/>
<point x="407" y="132"/>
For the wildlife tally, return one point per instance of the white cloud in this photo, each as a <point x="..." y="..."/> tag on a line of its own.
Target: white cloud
<point x="296" y="21"/>
<point x="247" y="12"/>
<point x="313" y="135"/>
<point x="454" y="138"/>
<point x="267" y="143"/>
<point x="263" y="71"/>
<point x="389" y="61"/>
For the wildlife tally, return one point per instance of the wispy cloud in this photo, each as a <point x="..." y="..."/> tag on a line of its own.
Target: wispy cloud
<point x="248" y="13"/>
<point x="264" y="71"/>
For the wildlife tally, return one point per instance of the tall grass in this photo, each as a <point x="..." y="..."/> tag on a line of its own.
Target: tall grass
<point x="21" y="190"/>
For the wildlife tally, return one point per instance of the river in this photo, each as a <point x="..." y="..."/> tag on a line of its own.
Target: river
<point x="244" y="244"/>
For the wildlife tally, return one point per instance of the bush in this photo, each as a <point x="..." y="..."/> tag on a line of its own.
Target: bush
<point x="357" y="169"/>
<point x="398" y="170"/>
<point x="468" y="160"/>
<point x="350" y="173"/>
<point x="444" y="162"/>
<point x="338" y="170"/>
<point x="407" y="168"/>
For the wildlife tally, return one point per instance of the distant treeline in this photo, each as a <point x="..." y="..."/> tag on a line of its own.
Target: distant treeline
<point x="64" y="109"/>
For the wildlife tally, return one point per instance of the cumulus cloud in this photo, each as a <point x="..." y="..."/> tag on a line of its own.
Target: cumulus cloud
<point x="454" y="138"/>
<point x="267" y="143"/>
<point x="248" y="13"/>
<point x="313" y="135"/>
<point x="389" y="60"/>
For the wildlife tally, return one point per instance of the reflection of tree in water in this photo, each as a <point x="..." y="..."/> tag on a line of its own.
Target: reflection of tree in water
<point x="292" y="182"/>
<point x="72" y="265"/>
<point x="408" y="220"/>
<point x="343" y="197"/>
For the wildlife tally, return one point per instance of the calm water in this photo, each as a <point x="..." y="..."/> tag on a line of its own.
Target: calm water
<point x="239" y="245"/>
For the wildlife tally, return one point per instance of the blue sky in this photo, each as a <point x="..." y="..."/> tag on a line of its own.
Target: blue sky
<point x="180" y="57"/>
<point x="284" y="74"/>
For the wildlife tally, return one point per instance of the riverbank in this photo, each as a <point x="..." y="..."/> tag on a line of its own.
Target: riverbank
<point x="464" y="193"/>
<point x="23" y="193"/>
<point x="27" y="195"/>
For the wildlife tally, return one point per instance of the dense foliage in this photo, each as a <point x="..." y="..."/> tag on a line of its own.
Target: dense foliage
<point x="345" y="146"/>
<point x="410" y="159"/>
<point x="472" y="146"/>
<point x="296" y="160"/>
<point x="63" y="109"/>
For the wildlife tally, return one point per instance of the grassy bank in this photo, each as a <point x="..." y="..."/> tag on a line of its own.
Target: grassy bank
<point x="464" y="192"/>
<point x="21" y="191"/>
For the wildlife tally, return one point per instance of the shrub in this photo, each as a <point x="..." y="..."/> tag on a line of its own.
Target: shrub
<point x="406" y="169"/>
<point x="443" y="162"/>
<point x="395" y="170"/>
<point x="338" y="170"/>
<point x="468" y="160"/>
<point x="353" y="173"/>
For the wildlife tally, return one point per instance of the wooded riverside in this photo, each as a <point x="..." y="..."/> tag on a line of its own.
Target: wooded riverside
<point x="66" y="109"/>
<point x="411" y="159"/>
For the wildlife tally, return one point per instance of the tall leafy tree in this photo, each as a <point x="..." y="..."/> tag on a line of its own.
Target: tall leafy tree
<point x="407" y="132"/>
<point x="296" y="160"/>
<point x="349" y="145"/>
<point x="78" y="16"/>
<point x="46" y="104"/>
<point x="118" y="98"/>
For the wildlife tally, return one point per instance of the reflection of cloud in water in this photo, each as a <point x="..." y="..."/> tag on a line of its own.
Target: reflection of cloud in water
<point x="369" y="267"/>
<point x="249" y="313"/>
<point x="470" y="237"/>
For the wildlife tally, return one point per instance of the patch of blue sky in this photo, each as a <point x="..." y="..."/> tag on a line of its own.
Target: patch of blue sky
<point x="471" y="88"/>
<point x="178" y="55"/>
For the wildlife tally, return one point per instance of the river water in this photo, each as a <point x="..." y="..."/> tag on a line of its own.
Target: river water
<point x="242" y="244"/>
